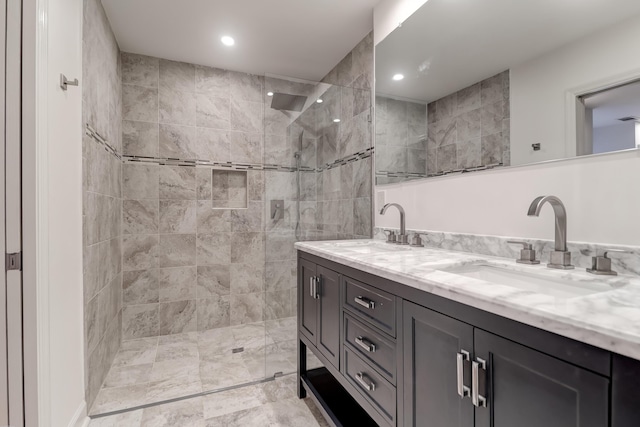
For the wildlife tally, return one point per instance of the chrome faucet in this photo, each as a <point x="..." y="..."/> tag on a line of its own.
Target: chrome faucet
<point x="560" y="258"/>
<point x="402" y="238"/>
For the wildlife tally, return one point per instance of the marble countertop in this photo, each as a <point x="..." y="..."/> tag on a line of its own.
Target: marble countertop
<point x="609" y="319"/>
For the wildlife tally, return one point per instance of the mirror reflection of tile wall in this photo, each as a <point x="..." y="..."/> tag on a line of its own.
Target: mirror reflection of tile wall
<point x="467" y="129"/>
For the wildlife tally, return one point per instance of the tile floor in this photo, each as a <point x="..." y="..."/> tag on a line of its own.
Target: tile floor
<point x="272" y="403"/>
<point x="152" y="370"/>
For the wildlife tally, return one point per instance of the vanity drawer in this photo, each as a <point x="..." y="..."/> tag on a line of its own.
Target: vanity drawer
<point x="380" y="352"/>
<point x="377" y="306"/>
<point x="371" y="384"/>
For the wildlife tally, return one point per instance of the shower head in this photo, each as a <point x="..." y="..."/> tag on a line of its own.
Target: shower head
<point x="285" y="101"/>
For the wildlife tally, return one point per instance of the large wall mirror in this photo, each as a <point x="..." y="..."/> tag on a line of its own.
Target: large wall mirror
<point x="470" y="85"/>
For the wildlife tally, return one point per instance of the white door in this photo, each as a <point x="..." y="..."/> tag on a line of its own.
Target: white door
<point x="11" y="377"/>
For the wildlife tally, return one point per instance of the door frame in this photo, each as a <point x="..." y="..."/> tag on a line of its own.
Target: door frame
<point x="35" y="204"/>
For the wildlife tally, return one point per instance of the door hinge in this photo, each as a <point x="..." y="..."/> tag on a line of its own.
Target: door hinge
<point x="14" y="261"/>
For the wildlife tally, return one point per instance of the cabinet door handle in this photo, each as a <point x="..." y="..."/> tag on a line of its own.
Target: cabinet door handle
<point x="364" y="382"/>
<point x="365" y="302"/>
<point x="463" y="390"/>
<point x="312" y="285"/>
<point x="316" y="282"/>
<point x="477" y="399"/>
<point x="366" y="344"/>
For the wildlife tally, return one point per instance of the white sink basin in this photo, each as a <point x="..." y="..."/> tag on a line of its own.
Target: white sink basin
<point x="547" y="285"/>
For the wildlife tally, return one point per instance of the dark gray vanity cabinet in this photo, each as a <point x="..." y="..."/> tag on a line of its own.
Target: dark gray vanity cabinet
<point x="434" y="346"/>
<point x="398" y="356"/>
<point x="320" y="308"/>
<point x="526" y="388"/>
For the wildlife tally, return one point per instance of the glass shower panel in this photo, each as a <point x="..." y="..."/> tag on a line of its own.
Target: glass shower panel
<point x="318" y="186"/>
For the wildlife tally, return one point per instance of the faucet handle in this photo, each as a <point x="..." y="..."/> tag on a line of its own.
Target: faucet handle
<point x="527" y="254"/>
<point x="601" y="264"/>
<point x="391" y="236"/>
<point x="416" y="240"/>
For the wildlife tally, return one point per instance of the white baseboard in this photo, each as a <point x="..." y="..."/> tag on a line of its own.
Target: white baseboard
<point x="80" y="418"/>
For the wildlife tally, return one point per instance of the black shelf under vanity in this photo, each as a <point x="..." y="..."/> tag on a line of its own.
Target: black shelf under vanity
<point x="336" y="404"/>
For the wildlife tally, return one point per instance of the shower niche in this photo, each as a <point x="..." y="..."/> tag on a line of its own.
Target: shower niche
<point x="229" y="189"/>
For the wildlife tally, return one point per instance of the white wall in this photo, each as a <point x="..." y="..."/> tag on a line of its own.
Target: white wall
<point x="539" y="89"/>
<point x="388" y="14"/>
<point x="600" y="193"/>
<point x="621" y="136"/>
<point x="65" y="213"/>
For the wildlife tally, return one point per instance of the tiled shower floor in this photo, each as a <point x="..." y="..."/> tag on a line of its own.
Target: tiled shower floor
<point x="151" y="370"/>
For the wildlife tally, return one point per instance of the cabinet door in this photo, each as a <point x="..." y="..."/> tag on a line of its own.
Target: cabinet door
<point x="431" y="344"/>
<point x="329" y="316"/>
<point x="625" y="392"/>
<point x="308" y="304"/>
<point x="526" y="388"/>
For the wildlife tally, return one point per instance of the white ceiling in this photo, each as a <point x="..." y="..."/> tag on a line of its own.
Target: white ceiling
<point x="612" y="105"/>
<point x="450" y="44"/>
<point x="295" y="38"/>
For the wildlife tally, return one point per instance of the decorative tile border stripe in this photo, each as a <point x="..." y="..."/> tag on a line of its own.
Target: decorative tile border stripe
<point x="102" y="141"/>
<point x="391" y="174"/>
<point x="168" y="161"/>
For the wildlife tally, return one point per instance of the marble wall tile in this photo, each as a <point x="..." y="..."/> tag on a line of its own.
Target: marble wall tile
<point x="491" y="147"/>
<point x="213" y="112"/>
<point x="250" y="219"/>
<point x="256" y="185"/>
<point x="177" y="284"/>
<point x="139" y="216"/>
<point x="469" y="153"/>
<point x="246" y="278"/>
<point x="140" y="287"/>
<point x="246" y="87"/>
<point x="140" y="181"/>
<point x="213" y="281"/>
<point x="469" y="125"/>
<point x="178" y="76"/>
<point x="139" y="139"/>
<point x="212" y="220"/>
<point x="177" y="107"/>
<point x="247" y="116"/>
<point x="362" y="209"/>
<point x="139" y="70"/>
<point x="139" y="252"/>
<point x="492" y="116"/>
<point x="213" y="145"/>
<point x="492" y="89"/>
<point x="279" y="245"/>
<point x="247" y="308"/>
<point x="214" y="249"/>
<point x="238" y="189"/>
<point x="176" y="250"/>
<point x="246" y="147"/>
<point x="139" y="321"/>
<point x="469" y="98"/>
<point x="447" y="159"/>
<point x="248" y="248"/>
<point x="213" y="81"/>
<point x="177" y="216"/>
<point x="178" y="142"/>
<point x="277" y="305"/>
<point x="139" y="103"/>
<point x="214" y="313"/>
<point x="204" y="183"/>
<point x="177" y="317"/>
<point x="177" y="182"/>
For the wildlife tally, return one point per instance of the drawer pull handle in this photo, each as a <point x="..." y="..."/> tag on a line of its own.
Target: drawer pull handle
<point x="365" y="302"/>
<point x="476" y="398"/>
<point x="462" y="357"/>
<point x="366" y="344"/>
<point x="364" y="382"/>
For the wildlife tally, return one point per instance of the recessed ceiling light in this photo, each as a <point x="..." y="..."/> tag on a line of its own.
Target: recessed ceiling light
<point x="228" y="41"/>
<point x="398" y="77"/>
<point x="336" y="120"/>
<point x="269" y="93"/>
<point x="319" y="101"/>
